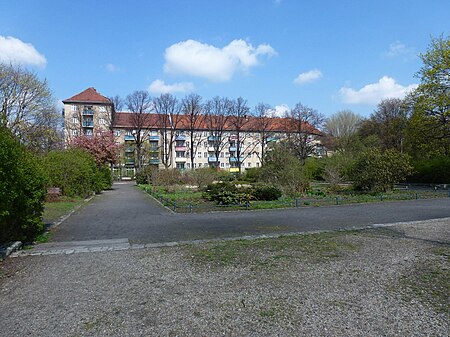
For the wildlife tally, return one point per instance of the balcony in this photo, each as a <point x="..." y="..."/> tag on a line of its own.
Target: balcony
<point x="180" y="148"/>
<point x="180" y="159"/>
<point x="153" y="138"/>
<point x="235" y="160"/>
<point x="211" y="149"/>
<point x="153" y="149"/>
<point x="180" y="137"/>
<point x="129" y="161"/>
<point x="88" y="124"/>
<point x="233" y="149"/>
<point x="233" y="138"/>
<point x="129" y="150"/>
<point x="271" y="139"/>
<point x="129" y="137"/>
<point x="88" y="112"/>
<point x="212" y="159"/>
<point x="154" y="161"/>
<point x="214" y="138"/>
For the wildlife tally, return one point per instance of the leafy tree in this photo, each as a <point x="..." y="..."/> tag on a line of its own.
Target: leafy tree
<point x="27" y="109"/>
<point x="192" y="108"/>
<point x="378" y="171"/>
<point x="22" y="191"/>
<point x="263" y="125"/>
<point x="429" y="130"/>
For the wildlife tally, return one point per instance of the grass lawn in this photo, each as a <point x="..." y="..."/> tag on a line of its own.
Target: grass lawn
<point x="55" y="210"/>
<point x="190" y="200"/>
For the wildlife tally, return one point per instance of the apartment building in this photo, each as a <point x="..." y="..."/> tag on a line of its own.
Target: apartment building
<point x="169" y="142"/>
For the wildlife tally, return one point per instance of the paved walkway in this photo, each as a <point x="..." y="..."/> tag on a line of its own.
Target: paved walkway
<point x="128" y="213"/>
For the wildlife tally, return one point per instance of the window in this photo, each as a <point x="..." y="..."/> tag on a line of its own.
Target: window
<point x="227" y="165"/>
<point x="74" y="132"/>
<point x="117" y="133"/>
<point x="102" y="109"/>
<point x="74" y="108"/>
<point x="205" y="144"/>
<point x="75" y="120"/>
<point x="222" y="165"/>
<point x="257" y="164"/>
<point x="179" y="154"/>
<point x="102" y="121"/>
<point x="180" y="166"/>
<point x="249" y="164"/>
<point x="222" y="154"/>
<point x="199" y="154"/>
<point x="205" y="154"/>
<point x="188" y="165"/>
<point x="187" y="144"/>
<point x="88" y="132"/>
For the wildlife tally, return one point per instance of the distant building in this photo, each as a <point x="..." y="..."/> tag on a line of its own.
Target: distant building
<point x="169" y="141"/>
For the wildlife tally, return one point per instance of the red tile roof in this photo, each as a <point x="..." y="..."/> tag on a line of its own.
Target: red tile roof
<point x="90" y="95"/>
<point x="153" y="121"/>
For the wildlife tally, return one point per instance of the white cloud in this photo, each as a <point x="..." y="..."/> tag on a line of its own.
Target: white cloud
<point x="309" y="76"/>
<point x="198" y="59"/>
<point x="111" y="68"/>
<point x="373" y="93"/>
<point x="159" y="87"/>
<point x="399" y="49"/>
<point x="279" y="111"/>
<point x="15" y="51"/>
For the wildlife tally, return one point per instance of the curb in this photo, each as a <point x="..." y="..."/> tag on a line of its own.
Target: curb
<point x="9" y="248"/>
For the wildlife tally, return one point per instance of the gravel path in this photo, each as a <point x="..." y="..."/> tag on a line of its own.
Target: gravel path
<point x="355" y="286"/>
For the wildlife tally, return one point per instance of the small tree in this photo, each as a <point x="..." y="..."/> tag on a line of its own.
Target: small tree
<point x="101" y="146"/>
<point x="378" y="172"/>
<point x="284" y="170"/>
<point x="22" y="191"/>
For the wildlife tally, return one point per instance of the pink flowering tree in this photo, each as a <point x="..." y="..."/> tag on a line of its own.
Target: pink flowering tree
<point x="101" y="146"/>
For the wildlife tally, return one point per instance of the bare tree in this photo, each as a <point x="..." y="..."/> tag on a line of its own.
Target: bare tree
<point x="139" y="103"/>
<point x="217" y="113"/>
<point x="168" y="111"/>
<point x="342" y="126"/>
<point x="263" y="125"/>
<point x="117" y="101"/>
<point x="192" y="109"/>
<point x="302" y="124"/>
<point x="239" y="121"/>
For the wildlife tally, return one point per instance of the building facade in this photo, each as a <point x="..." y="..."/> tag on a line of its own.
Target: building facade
<point x="173" y="142"/>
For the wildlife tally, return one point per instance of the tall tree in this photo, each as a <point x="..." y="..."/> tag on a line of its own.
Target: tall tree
<point x="217" y="113"/>
<point x="167" y="108"/>
<point x="27" y="108"/>
<point x="139" y="103"/>
<point x="342" y="127"/>
<point x="263" y="125"/>
<point x="238" y="121"/>
<point x="430" y="102"/>
<point x="192" y="109"/>
<point x="302" y="125"/>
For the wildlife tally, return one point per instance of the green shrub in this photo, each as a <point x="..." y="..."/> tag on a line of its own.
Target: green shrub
<point x="203" y="176"/>
<point x="252" y="175"/>
<point x="267" y="193"/>
<point x="376" y="171"/>
<point x="22" y="191"/>
<point x="227" y="193"/>
<point x="212" y="190"/>
<point x="103" y="179"/>
<point x="74" y="171"/>
<point x="434" y="170"/>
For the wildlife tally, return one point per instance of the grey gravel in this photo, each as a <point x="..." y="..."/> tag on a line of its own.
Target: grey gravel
<point x="166" y="292"/>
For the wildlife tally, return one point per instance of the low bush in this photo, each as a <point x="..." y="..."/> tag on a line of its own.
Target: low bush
<point x="267" y="193"/>
<point x="22" y="191"/>
<point x="226" y="193"/>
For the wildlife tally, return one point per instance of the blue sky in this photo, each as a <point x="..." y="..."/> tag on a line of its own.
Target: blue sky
<point x="329" y="55"/>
